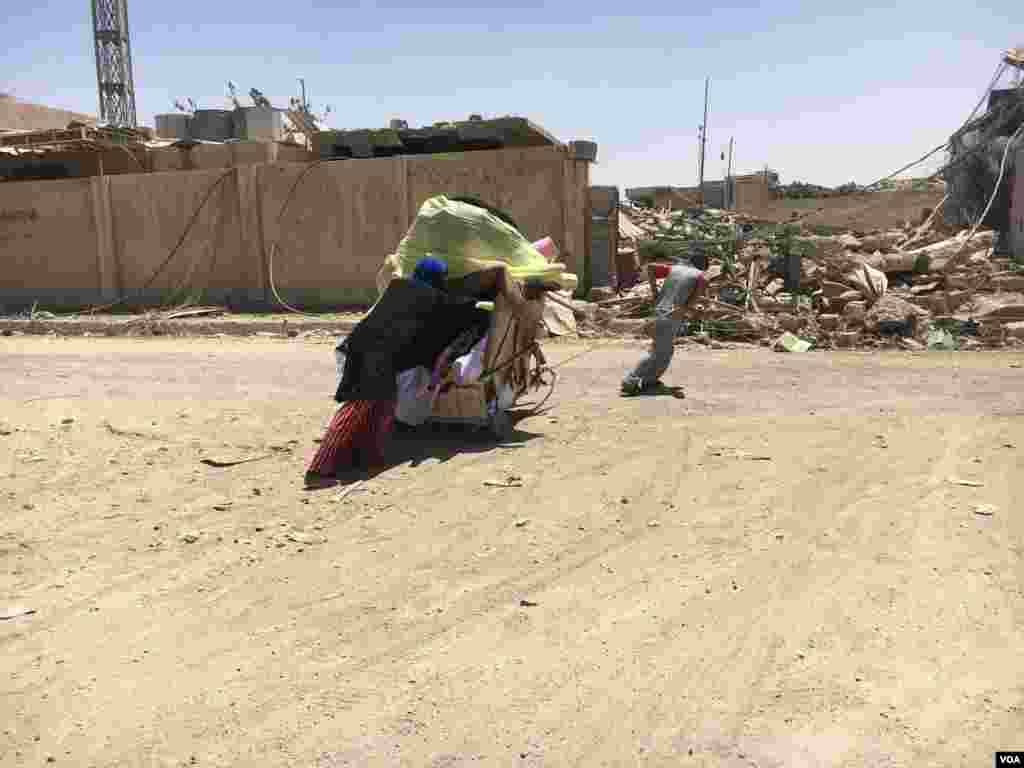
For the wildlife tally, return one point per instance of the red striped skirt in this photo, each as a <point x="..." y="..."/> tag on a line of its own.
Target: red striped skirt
<point x="355" y="437"/>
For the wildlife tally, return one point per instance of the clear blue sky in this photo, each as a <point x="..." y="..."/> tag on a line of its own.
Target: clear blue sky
<point x="823" y="92"/>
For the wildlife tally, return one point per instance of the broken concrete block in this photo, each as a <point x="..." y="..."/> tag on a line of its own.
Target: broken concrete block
<point x="828" y="322"/>
<point x="855" y="312"/>
<point x="846" y="339"/>
<point x="584" y="310"/>
<point x="791" y="323"/>
<point x="938" y="304"/>
<point x="991" y="330"/>
<point x="629" y="326"/>
<point x="891" y="313"/>
<point x="1015" y="330"/>
<point x="601" y="294"/>
<point x="958" y="280"/>
<point x="1009" y="283"/>
<point x="955" y="299"/>
<point x="1005" y="307"/>
<point x="911" y="345"/>
<point x="833" y="290"/>
<point x="883" y="241"/>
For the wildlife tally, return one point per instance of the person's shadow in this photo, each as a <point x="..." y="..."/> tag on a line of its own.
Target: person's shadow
<point x="414" y="446"/>
<point x="658" y="390"/>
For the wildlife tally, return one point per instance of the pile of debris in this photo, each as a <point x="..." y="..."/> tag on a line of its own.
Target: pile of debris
<point x="781" y="286"/>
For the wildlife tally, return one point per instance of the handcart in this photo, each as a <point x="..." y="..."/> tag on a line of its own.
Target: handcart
<point x="513" y="362"/>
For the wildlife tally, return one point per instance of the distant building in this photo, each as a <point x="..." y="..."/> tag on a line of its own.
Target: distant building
<point x="743" y="192"/>
<point x="18" y="115"/>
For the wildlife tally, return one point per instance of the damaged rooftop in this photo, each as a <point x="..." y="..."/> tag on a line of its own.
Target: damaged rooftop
<point x="468" y="135"/>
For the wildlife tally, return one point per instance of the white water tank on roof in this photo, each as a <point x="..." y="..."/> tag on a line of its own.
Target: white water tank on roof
<point x="213" y="125"/>
<point x="258" y="124"/>
<point x="174" y="125"/>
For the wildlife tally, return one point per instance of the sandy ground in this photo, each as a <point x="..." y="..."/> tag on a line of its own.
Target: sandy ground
<point x="779" y="570"/>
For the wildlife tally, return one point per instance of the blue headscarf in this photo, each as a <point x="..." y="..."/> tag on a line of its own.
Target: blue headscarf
<point x="431" y="272"/>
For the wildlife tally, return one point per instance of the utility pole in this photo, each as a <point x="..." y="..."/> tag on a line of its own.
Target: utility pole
<point x="730" y="188"/>
<point x="305" y="104"/>
<point x="700" y="160"/>
<point x="704" y="139"/>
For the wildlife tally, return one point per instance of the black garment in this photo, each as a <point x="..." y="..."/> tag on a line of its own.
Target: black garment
<point x="409" y="327"/>
<point x="478" y="286"/>
<point x="446" y="323"/>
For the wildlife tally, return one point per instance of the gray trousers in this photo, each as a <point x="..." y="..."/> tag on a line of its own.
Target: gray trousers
<point x="676" y="290"/>
<point x="654" y="364"/>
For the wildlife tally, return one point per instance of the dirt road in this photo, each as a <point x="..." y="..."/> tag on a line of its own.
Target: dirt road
<point x="812" y="560"/>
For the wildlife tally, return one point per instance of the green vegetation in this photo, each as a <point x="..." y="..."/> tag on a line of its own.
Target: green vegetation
<point x="826" y="230"/>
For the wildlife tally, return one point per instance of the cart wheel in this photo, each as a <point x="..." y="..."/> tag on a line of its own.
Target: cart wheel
<point x="500" y="425"/>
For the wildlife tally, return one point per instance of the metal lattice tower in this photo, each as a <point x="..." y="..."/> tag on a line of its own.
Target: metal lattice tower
<point x="114" y="62"/>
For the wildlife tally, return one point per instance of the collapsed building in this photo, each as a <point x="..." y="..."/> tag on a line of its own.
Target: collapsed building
<point x="982" y="163"/>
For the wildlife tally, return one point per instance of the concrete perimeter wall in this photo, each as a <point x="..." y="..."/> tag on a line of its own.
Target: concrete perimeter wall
<point x="83" y="242"/>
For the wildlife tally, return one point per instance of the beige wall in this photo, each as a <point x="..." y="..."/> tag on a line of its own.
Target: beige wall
<point x="106" y="237"/>
<point x="676" y="199"/>
<point x="21" y="116"/>
<point x="753" y="193"/>
<point x="49" y="243"/>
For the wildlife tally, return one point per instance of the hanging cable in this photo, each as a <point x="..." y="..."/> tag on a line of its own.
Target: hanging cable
<point x="170" y="256"/>
<point x="274" y="246"/>
<point x="1000" y="69"/>
<point x="958" y="257"/>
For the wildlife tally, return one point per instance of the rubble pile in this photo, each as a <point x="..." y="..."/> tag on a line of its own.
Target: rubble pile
<point x="915" y="287"/>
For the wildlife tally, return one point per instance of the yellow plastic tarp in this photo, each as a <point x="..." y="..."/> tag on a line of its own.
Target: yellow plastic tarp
<point x="471" y="239"/>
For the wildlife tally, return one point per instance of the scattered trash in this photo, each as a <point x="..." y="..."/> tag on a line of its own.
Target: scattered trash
<point x="792" y="343"/>
<point x="985" y="510"/>
<point x="732" y="294"/>
<point x="223" y="506"/>
<point x="15" y="612"/>
<point x="967" y="483"/>
<point x="349" y="491"/>
<point x="522" y="523"/>
<point x="190" y="538"/>
<point x="940" y="339"/>
<point x="220" y="463"/>
<point x="195" y="312"/>
<point x="911" y="345"/>
<point x="528" y="604"/>
<point x="512" y="481"/>
<point x="297" y="537"/>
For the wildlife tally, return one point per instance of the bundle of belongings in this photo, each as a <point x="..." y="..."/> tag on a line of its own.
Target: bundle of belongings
<point x="459" y="305"/>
